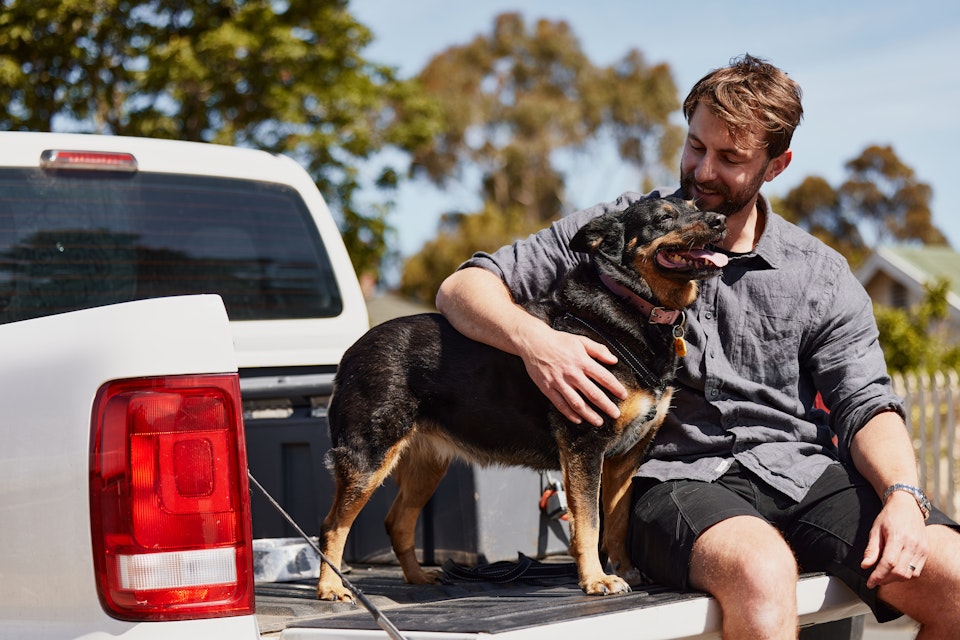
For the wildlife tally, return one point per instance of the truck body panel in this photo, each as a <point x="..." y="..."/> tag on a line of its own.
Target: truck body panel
<point x="53" y="368"/>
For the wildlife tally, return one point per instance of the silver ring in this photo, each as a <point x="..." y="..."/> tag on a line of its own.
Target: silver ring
<point x="912" y="568"/>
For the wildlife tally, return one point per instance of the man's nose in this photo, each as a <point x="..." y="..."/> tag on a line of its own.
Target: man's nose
<point x="705" y="170"/>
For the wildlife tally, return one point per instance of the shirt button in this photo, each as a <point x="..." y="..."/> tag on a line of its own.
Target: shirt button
<point x="714" y="393"/>
<point x="708" y="315"/>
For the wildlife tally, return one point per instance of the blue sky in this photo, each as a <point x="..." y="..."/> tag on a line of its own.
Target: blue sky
<point x="878" y="72"/>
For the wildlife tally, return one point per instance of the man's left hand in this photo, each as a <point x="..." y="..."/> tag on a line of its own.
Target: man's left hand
<point x="898" y="542"/>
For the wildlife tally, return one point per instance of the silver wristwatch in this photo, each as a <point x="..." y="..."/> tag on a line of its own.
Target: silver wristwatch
<point x="916" y="492"/>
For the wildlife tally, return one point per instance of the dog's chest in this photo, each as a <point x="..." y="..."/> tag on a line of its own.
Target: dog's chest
<point x="640" y="414"/>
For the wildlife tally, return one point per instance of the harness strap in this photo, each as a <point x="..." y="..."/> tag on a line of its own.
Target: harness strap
<point x="647" y="378"/>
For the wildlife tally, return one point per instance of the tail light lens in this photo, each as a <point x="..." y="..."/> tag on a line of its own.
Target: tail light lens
<point x="170" y="509"/>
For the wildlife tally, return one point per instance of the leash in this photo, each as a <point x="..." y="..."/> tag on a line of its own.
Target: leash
<point x="378" y="616"/>
<point x="525" y="568"/>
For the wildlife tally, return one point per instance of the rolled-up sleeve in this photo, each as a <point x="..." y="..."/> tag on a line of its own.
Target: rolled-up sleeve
<point x="847" y="361"/>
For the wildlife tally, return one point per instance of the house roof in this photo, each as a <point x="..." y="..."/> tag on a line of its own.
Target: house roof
<point x="915" y="266"/>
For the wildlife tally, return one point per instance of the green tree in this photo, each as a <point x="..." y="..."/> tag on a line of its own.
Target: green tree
<point x="287" y="77"/>
<point x="887" y="194"/>
<point x="458" y="237"/>
<point x="880" y="201"/>
<point x="513" y="99"/>
<point x="906" y="335"/>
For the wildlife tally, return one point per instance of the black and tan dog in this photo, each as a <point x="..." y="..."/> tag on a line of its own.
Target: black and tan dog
<point x="413" y="393"/>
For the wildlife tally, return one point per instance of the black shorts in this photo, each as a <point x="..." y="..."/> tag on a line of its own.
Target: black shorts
<point x="828" y="531"/>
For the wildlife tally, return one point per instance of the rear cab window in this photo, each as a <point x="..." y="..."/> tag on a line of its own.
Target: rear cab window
<point x="76" y="239"/>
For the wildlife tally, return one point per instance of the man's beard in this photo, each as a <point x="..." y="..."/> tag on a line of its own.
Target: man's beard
<point x="733" y="202"/>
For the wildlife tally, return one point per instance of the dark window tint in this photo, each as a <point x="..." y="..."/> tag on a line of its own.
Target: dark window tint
<point x="71" y="240"/>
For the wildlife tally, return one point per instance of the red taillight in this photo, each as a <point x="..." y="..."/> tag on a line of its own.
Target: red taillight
<point x="170" y="509"/>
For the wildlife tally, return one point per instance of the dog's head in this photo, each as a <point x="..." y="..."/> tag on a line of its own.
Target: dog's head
<point x="657" y="248"/>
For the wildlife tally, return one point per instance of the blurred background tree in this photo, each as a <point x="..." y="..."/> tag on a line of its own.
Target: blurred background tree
<point x="881" y="201"/>
<point x="512" y="100"/>
<point x="287" y="77"/>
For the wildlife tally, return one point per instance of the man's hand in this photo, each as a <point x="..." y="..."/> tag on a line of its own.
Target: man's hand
<point x="898" y="542"/>
<point x="569" y="370"/>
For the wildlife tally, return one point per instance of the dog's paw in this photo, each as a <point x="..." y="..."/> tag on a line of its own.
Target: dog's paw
<point x="605" y="585"/>
<point x="334" y="593"/>
<point x="424" y="576"/>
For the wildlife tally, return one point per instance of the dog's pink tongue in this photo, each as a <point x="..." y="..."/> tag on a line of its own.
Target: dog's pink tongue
<point x="715" y="258"/>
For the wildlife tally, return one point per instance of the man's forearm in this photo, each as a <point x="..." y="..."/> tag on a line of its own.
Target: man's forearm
<point x="883" y="452"/>
<point x="479" y="305"/>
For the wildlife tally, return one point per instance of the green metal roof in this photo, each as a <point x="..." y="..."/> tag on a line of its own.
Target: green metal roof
<point x="933" y="261"/>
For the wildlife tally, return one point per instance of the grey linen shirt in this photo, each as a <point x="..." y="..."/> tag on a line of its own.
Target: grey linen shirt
<point x="780" y="324"/>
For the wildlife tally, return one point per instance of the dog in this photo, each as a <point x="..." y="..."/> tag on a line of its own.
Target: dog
<point x="413" y="393"/>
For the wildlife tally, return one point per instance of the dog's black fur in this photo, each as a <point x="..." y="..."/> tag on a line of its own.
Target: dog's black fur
<point x="413" y="393"/>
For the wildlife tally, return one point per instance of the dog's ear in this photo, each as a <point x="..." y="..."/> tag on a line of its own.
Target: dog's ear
<point x="603" y="236"/>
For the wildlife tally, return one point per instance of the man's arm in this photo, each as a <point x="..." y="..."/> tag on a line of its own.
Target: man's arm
<point x="883" y="454"/>
<point x="566" y="367"/>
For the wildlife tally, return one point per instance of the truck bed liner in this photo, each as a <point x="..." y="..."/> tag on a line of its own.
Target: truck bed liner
<point x="515" y="610"/>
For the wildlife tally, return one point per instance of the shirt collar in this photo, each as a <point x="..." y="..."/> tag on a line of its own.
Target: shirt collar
<point x="770" y="247"/>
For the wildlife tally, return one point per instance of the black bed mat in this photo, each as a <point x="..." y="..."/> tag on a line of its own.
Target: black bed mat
<point x="466" y="607"/>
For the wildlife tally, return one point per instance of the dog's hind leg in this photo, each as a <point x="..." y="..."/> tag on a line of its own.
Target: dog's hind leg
<point x="417" y="474"/>
<point x="581" y="474"/>
<point x="355" y="485"/>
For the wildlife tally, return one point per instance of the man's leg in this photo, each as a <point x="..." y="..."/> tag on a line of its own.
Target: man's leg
<point x="933" y="597"/>
<point x="710" y="536"/>
<point x="747" y="566"/>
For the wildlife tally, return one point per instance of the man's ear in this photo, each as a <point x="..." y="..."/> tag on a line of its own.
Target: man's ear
<point x="603" y="235"/>
<point x="776" y="166"/>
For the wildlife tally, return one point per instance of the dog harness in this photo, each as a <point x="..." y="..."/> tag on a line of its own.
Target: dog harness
<point x="648" y="378"/>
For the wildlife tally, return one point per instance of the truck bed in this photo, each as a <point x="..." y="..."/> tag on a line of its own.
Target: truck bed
<point x="551" y="608"/>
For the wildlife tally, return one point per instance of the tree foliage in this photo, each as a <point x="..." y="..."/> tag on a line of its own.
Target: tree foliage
<point x="880" y="201"/>
<point x="458" y="237"/>
<point x="283" y="76"/>
<point x="907" y="337"/>
<point x="512" y="100"/>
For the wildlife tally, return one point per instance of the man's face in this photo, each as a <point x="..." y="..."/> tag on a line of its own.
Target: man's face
<point x="717" y="173"/>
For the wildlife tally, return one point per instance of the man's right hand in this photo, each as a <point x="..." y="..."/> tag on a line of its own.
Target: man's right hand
<point x="569" y="369"/>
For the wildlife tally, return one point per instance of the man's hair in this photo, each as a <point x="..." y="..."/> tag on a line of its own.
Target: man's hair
<point x="752" y="97"/>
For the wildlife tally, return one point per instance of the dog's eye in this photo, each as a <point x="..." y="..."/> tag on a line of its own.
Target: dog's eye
<point x="666" y="215"/>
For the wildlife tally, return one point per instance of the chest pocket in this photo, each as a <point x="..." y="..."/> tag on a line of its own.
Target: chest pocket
<point x="767" y="338"/>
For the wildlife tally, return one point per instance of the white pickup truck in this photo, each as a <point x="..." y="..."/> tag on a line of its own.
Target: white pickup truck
<point x="167" y="311"/>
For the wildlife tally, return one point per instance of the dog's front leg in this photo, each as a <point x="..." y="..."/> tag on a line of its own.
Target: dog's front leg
<point x="582" y="478"/>
<point x="617" y="482"/>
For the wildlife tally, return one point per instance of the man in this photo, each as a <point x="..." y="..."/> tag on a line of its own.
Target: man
<point x="747" y="483"/>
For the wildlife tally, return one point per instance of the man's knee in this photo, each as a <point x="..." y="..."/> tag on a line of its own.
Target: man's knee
<point x="746" y="556"/>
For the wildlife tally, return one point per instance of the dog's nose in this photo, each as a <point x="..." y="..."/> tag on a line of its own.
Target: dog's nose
<point x="716" y="221"/>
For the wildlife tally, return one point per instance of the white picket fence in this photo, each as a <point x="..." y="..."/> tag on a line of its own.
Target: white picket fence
<point x="932" y="405"/>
